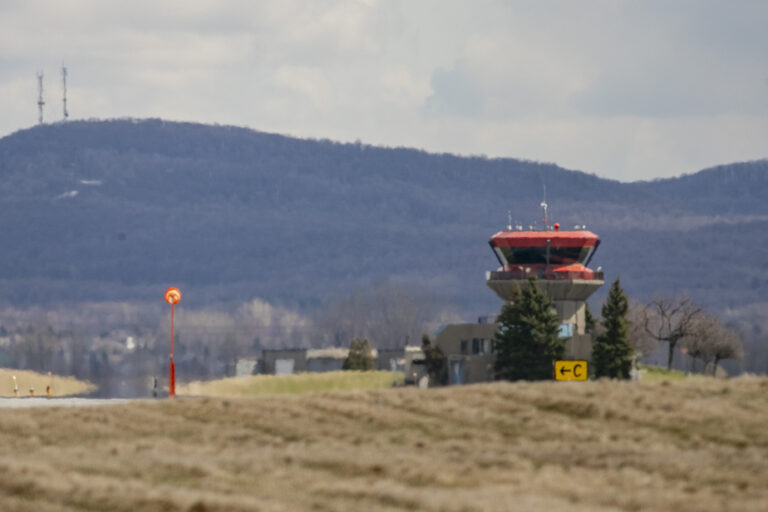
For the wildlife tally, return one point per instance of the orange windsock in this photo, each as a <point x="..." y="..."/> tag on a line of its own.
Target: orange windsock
<point x="172" y="295"/>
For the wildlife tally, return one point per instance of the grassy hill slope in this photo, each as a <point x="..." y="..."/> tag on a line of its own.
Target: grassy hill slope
<point x="25" y="379"/>
<point x="691" y="445"/>
<point x="294" y="383"/>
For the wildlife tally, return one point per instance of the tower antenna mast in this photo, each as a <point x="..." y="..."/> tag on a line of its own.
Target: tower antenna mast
<point x="544" y="206"/>
<point x="40" y="101"/>
<point x="64" y="87"/>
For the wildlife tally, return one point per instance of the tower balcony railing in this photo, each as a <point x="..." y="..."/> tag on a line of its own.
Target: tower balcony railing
<point x="540" y="273"/>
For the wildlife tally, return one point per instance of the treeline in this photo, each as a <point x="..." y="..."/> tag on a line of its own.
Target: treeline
<point x="113" y="343"/>
<point x="122" y="346"/>
<point x="527" y="341"/>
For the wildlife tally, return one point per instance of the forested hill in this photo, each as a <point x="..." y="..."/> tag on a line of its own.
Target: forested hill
<point x="116" y="210"/>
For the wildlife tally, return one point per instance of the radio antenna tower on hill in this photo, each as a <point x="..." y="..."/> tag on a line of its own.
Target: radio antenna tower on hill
<point x="64" y="87"/>
<point x="40" y="101"/>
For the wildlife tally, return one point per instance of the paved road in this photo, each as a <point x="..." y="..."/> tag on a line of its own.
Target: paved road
<point x="21" y="403"/>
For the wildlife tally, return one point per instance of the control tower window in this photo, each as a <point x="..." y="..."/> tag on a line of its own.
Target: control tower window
<point x="538" y="255"/>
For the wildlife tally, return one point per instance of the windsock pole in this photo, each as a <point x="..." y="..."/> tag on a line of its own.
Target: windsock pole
<point x="172" y="297"/>
<point x="172" y="367"/>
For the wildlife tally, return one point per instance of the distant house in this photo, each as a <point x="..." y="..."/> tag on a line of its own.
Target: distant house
<point x="284" y="361"/>
<point x="390" y="359"/>
<point x="468" y="349"/>
<point x="246" y="366"/>
<point x="413" y="364"/>
<point x="408" y="360"/>
<point x="326" y="359"/>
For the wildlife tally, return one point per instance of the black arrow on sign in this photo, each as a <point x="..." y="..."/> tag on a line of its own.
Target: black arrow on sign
<point x="563" y="369"/>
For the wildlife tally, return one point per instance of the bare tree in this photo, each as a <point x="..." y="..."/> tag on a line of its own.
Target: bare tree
<point x="670" y="319"/>
<point x="39" y="343"/>
<point x="398" y="313"/>
<point x="643" y="343"/>
<point x="728" y="346"/>
<point x="700" y="340"/>
<point x="388" y="314"/>
<point x="77" y="345"/>
<point x="712" y="342"/>
<point x="341" y="320"/>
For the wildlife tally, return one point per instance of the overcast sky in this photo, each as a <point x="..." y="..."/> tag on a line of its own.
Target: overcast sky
<point x="626" y="90"/>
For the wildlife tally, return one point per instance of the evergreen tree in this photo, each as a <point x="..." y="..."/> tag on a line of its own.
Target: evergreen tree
<point x="360" y="356"/>
<point x="435" y="361"/>
<point x="612" y="353"/>
<point x="527" y="341"/>
<point x="589" y="320"/>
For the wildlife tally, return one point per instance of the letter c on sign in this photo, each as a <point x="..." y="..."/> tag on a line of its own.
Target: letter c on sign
<point x="576" y="372"/>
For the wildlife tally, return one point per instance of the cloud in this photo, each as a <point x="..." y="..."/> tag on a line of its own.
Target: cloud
<point x="307" y="82"/>
<point x="621" y="88"/>
<point x="453" y="94"/>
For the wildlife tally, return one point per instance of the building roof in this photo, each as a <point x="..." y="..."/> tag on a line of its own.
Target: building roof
<point x="328" y="353"/>
<point x="539" y="239"/>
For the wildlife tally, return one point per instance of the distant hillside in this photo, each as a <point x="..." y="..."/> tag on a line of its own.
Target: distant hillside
<point x="117" y="210"/>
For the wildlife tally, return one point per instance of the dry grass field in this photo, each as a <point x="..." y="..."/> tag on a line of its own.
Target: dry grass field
<point x="60" y="386"/>
<point x="294" y="383"/>
<point x="689" y="445"/>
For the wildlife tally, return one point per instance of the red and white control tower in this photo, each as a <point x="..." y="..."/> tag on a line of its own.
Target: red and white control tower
<point x="559" y="260"/>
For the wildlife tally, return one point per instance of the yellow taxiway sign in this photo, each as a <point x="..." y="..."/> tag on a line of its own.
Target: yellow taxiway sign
<point x="571" y="370"/>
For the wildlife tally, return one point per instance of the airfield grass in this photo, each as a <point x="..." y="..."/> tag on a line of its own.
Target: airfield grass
<point x="650" y="373"/>
<point x="688" y="445"/>
<point x="296" y="383"/>
<point x="60" y="386"/>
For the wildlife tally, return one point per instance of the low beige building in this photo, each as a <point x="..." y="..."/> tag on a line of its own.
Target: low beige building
<point x="284" y="361"/>
<point x="468" y="349"/>
<point x="298" y="360"/>
<point x="326" y="359"/>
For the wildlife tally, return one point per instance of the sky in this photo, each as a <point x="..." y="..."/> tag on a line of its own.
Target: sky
<point x="627" y="90"/>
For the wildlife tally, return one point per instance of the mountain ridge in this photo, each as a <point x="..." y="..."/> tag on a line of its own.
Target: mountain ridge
<point x="233" y="213"/>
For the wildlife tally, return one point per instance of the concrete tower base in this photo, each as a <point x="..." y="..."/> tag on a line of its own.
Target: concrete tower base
<point x="569" y="298"/>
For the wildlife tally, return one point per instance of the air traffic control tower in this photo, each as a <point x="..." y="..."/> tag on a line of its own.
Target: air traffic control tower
<point x="558" y="259"/>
